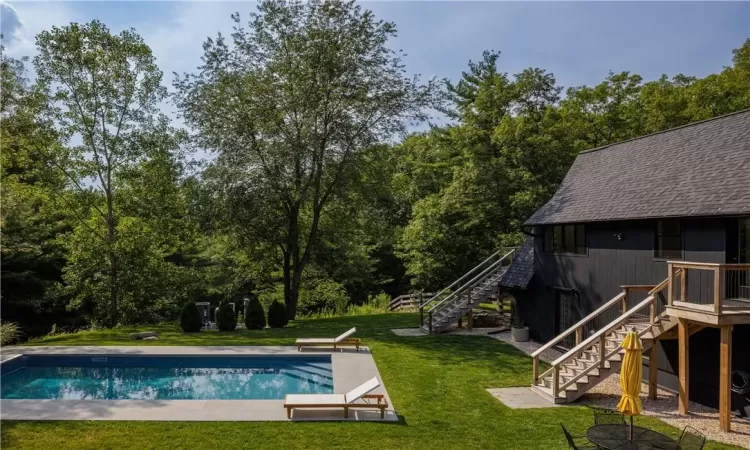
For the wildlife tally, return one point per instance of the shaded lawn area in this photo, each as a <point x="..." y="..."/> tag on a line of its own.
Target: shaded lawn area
<point x="437" y="385"/>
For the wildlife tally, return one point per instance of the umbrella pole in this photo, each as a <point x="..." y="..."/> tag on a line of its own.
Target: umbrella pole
<point x="631" y="428"/>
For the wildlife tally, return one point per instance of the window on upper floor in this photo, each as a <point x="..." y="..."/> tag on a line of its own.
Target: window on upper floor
<point x="565" y="239"/>
<point x="668" y="239"/>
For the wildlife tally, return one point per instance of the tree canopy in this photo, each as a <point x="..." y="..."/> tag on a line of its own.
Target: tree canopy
<point x="316" y="194"/>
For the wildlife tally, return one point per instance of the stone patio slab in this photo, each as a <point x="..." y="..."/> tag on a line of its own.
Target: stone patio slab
<point x="350" y="369"/>
<point x="520" y="398"/>
<point x="409" y="332"/>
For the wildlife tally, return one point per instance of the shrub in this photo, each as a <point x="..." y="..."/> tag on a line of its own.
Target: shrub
<point x="190" y="318"/>
<point x="225" y="318"/>
<point x="255" y="317"/>
<point x="325" y="295"/>
<point x="9" y="332"/>
<point x="277" y="317"/>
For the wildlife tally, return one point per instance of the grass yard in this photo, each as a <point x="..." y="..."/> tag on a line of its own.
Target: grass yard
<point x="437" y="385"/>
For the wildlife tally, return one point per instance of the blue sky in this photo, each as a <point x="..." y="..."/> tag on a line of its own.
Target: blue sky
<point x="580" y="42"/>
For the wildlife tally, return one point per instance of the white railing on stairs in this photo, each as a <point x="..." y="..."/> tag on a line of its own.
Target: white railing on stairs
<point x="598" y="338"/>
<point x="486" y="268"/>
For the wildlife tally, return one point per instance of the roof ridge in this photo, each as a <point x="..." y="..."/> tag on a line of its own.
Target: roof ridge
<point x="603" y="147"/>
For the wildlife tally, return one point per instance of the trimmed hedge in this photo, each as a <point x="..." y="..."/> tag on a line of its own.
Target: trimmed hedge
<point x="225" y="318"/>
<point x="190" y="318"/>
<point x="255" y="317"/>
<point x="277" y="317"/>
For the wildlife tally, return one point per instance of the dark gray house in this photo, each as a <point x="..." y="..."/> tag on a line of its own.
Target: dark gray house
<point x="664" y="217"/>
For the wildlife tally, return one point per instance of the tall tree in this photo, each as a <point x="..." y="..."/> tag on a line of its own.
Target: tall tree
<point x="103" y="91"/>
<point x="287" y="104"/>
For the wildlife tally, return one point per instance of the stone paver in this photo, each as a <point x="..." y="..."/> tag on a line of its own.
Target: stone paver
<point x="350" y="369"/>
<point x="409" y="332"/>
<point x="520" y="398"/>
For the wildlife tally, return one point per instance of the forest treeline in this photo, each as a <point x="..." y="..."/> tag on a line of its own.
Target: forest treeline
<point x="314" y="193"/>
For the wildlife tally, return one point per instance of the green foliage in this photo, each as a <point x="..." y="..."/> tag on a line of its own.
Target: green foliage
<point x="255" y="317"/>
<point x="225" y="317"/>
<point x="334" y="67"/>
<point x="190" y="318"/>
<point x="9" y="333"/>
<point x="325" y="294"/>
<point x="277" y="315"/>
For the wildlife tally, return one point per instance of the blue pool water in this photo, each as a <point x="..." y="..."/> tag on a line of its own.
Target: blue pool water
<point x="164" y="377"/>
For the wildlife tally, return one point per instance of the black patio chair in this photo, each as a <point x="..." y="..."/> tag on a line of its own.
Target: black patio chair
<point x="607" y="417"/>
<point x="588" y="445"/>
<point x="691" y="439"/>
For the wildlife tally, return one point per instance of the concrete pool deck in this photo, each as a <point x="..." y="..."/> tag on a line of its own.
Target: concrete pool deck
<point x="350" y="369"/>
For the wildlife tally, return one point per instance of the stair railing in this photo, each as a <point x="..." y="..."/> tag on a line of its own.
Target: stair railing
<point x="598" y="338"/>
<point x="465" y="286"/>
<point x="460" y="281"/>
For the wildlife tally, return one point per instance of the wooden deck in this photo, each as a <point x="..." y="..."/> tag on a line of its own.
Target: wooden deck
<point x="722" y="306"/>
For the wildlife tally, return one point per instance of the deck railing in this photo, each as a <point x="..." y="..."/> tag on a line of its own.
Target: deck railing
<point x="709" y="287"/>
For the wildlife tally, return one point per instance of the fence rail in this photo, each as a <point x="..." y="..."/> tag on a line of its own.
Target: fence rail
<point x="709" y="287"/>
<point x="409" y="301"/>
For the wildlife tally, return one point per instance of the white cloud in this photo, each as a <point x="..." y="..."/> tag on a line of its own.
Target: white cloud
<point x="10" y="24"/>
<point x="32" y="18"/>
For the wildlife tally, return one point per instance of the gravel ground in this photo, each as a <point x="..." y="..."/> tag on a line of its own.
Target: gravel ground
<point x="704" y="419"/>
<point x="607" y="393"/>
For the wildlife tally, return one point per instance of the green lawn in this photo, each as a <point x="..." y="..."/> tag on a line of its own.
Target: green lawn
<point x="437" y="385"/>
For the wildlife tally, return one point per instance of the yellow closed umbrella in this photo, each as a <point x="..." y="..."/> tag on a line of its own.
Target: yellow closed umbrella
<point x="631" y="374"/>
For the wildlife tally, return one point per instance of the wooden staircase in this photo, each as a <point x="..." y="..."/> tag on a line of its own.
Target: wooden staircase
<point x="455" y="301"/>
<point x="595" y="358"/>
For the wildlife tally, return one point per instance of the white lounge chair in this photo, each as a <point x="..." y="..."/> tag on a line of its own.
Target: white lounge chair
<point x="340" y="341"/>
<point x="346" y="401"/>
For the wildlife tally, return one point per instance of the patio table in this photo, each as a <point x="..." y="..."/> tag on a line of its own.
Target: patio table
<point x="617" y="437"/>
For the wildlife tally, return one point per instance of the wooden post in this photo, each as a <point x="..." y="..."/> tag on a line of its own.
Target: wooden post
<point x="535" y="369"/>
<point x="579" y="335"/>
<point x="602" y="350"/>
<point x="670" y="285"/>
<point x="470" y="320"/>
<point x="717" y="290"/>
<point x="684" y="362"/>
<point x="683" y="285"/>
<point x="461" y="322"/>
<point x="653" y="370"/>
<point x="725" y="378"/>
<point x="555" y="381"/>
<point x="625" y="301"/>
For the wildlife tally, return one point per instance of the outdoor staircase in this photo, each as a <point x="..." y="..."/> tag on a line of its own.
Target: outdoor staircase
<point x="598" y="356"/>
<point x="460" y="297"/>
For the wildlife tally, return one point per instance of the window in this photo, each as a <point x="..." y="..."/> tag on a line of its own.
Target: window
<point x="745" y="240"/>
<point x="668" y="239"/>
<point x="565" y="239"/>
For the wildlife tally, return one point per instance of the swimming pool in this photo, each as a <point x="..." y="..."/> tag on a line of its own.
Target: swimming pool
<point x="158" y="377"/>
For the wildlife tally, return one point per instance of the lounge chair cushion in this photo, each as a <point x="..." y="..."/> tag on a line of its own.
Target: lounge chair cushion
<point x="346" y="335"/>
<point x="316" y="341"/>
<point x="314" y="399"/>
<point x="364" y="388"/>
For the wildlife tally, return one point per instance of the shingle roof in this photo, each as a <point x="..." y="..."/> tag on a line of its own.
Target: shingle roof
<point x="521" y="269"/>
<point x="701" y="169"/>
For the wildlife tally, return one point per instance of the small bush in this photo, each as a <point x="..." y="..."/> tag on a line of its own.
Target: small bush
<point x="9" y="332"/>
<point x="325" y="295"/>
<point x="225" y="318"/>
<point x="277" y="317"/>
<point x="190" y="318"/>
<point x="255" y="317"/>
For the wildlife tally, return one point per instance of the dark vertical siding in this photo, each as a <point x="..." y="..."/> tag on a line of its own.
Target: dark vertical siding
<point x="612" y="262"/>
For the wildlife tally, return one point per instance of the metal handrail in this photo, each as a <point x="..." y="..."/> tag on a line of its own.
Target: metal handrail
<point x="462" y="277"/>
<point x="470" y="284"/>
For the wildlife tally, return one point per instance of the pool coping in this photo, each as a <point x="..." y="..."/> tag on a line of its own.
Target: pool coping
<point x="350" y="369"/>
